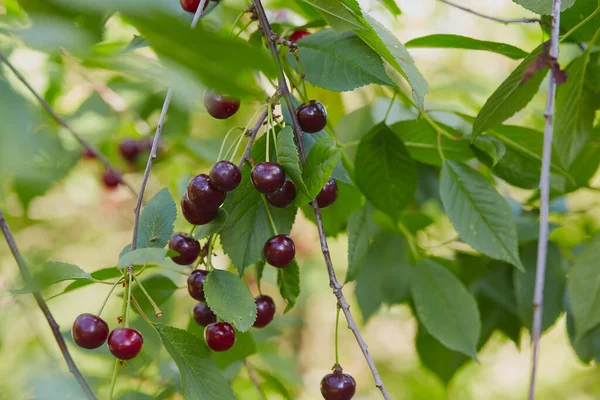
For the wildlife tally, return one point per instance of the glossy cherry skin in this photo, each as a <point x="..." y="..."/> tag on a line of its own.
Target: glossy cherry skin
<point x="265" y="311"/>
<point x="299" y="34"/>
<point x="130" y="149"/>
<point x="89" y="331"/>
<point x="203" y="315"/>
<point x="312" y="116"/>
<point x="267" y="177"/>
<point x="279" y="251"/>
<point x="219" y="336"/>
<point x="192" y="5"/>
<point x="125" y="343"/>
<point x="337" y="385"/>
<point x="284" y="196"/>
<point x="202" y="194"/>
<point x="220" y="106"/>
<point x="187" y="247"/>
<point x="195" y="215"/>
<point x="110" y="179"/>
<point x="195" y="284"/>
<point x="328" y="194"/>
<point x="225" y="176"/>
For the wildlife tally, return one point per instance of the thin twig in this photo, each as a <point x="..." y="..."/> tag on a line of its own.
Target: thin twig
<point x="253" y="132"/>
<point x="62" y="122"/>
<point x="333" y="282"/>
<point x="252" y="375"/>
<point x="492" y="18"/>
<point x="10" y="240"/>
<point x="538" y="297"/>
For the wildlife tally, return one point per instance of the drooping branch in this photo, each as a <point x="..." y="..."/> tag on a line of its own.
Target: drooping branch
<point x="505" y="21"/>
<point x="333" y="282"/>
<point x="10" y="240"/>
<point x="538" y="297"/>
<point x="62" y="122"/>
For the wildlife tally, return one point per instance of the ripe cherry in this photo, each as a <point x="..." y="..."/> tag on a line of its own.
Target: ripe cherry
<point x="220" y="106"/>
<point x="202" y="194"/>
<point x="192" y="5"/>
<point x="219" y="336"/>
<point x="299" y="34"/>
<point x="89" y="331"/>
<point x="88" y="154"/>
<point x="284" y="196"/>
<point x="125" y="343"/>
<point x="337" y="385"/>
<point x="110" y="179"/>
<point x="203" y="315"/>
<point x="225" y="176"/>
<point x="187" y="247"/>
<point x="312" y="116"/>
<point x="130" y="149"/>
<point x="279" y="250"/>
<point x="195" y="284"/>
<point x="328" y="194"/>
<point x="267" y="177"/>
<point x="195" y="215"/>
<point x="265" y="311"/>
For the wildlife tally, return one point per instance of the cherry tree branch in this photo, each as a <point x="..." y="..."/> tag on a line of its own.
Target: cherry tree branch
<point x="62" y="122"/>
<point x="10" y="240"/>
<point x="333" y="282"/>
<point x="492" y="18"/>
<point x="253" y="132"/>
<point x="538" y="297"/>
<point x="254" y="379"/>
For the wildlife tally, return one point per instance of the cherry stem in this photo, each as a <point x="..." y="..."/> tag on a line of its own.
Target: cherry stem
<point x="410" y="239"/>
<point x="225" y="141"/>
<point x="273" y="226"/>
<point x="140" y="311"/>
<point x="128" y="303"/>
<point x="113" y="381"/>
<point x="268" y="133"/>
<point x="337" y="330"/>
<point x="108" y="295"/>
<point x="387" y="112"/>
<point x="492" y="18"/>
<point x="252" y="375"/>
<point x="258" y="285"/>
<point x="253" y="133"/>
<point x="302" y="79"/>
<point x="209" y="265"/>
<point x="243" y="28"/>
<point x="439" y="147"/>
<point x="157" y="312"/>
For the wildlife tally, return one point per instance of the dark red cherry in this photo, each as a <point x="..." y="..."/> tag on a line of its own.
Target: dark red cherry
<point x="202" y="194"/>
<point x="195" y="284"/>
<point x="125" y="343"/>
<point x="299" y="34"/>
<point x="328" y="194"/>
<point x="110" y="179"/>
<point x="203" y="315"/>
<point x="225" y="176"/>
<point x="187" y="247"/>
<point x="220" y="106"/>
<point x="130" y="149"/>
<point x="279" y="251"/>
<point x="337" y="385"/>
<point x="312" y="116"/>
<point x="192" y="5"/>
<point x="89" y="331"/>
<point x="284" y="196"/>
<point x="219" y="336"/>
<point x="265" y="311"/>
<point x="88" y="154"/>
<point x="195" y="215"/>
<point x="267" y="177"/>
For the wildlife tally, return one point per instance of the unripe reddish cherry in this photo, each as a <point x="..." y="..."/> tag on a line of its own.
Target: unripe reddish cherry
<point x="195" y="215"/>
<point x="110" y="179"/>
<point x="284" y="196"/>
<point x="203" y="315"/>
<point x="312" y="116"/>
<point x="265" y="311"/>
<point x="89" y="331"/>
<point x="192" y="5"/>
<point x="88" y="154"/>
<point x="267" y="177"/>
<point x="299" y="34"/>
<point x="220" y="106"/>
<point x="187" y="247"/>
<point x="125" y="343"/>
<point x="225" y="176"/>
<point x="202" y="194"/>
<point x="195" y="284"/>
<point x="328" y="194"/>
<point x="279" y="251"/>
<point x="219" y="336"/>
<point x="337" y="385"/>
<point x="130" y="149"/>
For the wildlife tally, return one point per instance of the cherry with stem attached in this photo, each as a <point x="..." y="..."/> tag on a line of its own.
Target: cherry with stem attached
<point x="337" y="385"/>
<point x="125" y="343"/>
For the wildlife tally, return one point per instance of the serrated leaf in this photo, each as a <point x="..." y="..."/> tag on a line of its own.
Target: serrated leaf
<point x="157" y="221"/>
<point x="289" y="159"/>
<point x="481" y="216"/>
<point x="491" y="146"/>
<point x="319" y="165"/>
<point x="445" y="307"/>
<point x="360" y="229"/>
<point x="54" y="272"/>
<point x="445" y="41"/>
<point x="339" y="172"/>
<point x="288" y="281"/>
<point x="200" y="377"/>
<point x="214" y="226"/>
<point x="543" y="7"/>
<point x="579" y="12"/>
<point x="151" y="256"/>
<point x="336" y="14"/>
<point x="384" y="171"/>
<point x="229" y="297"/>
<point x="100" y="275"/>
<point x="159" y="287"/>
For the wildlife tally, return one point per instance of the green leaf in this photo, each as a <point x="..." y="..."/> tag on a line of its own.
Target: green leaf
<point x="53" y="272"/>
<point x="491" y="146"/>
<point x="159" y="287"/>
<point x="543" y="7"/>
<point x="384" y="171"/>
<point x="200" y="377"/>
<point x="214" y="226"/>
<point x="289" y="159"/>
<point x="445" y="308"/>
<point x="319" y="165"/>
<point x="157" y="221"/>
<point x="339" y="172"/>
<point x="581" y="10"/>
<point x="336" y="14"/>
<point x="481" y="216"/>
<point x="288" y="281"/>
<point x="510" y="97"/>
<point x="136" y="43"/>
<point x="99" y="275"/>
<point x="229" y="297"/>
<point x="445" y="41"/>
<point x="392" y="7"/>
<point x="587" y="347"/>
<point x="360" y="229"/>
<point x="340" y="61"/>
<point x="586" y="164"/>
<point x="151" y="256"/>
